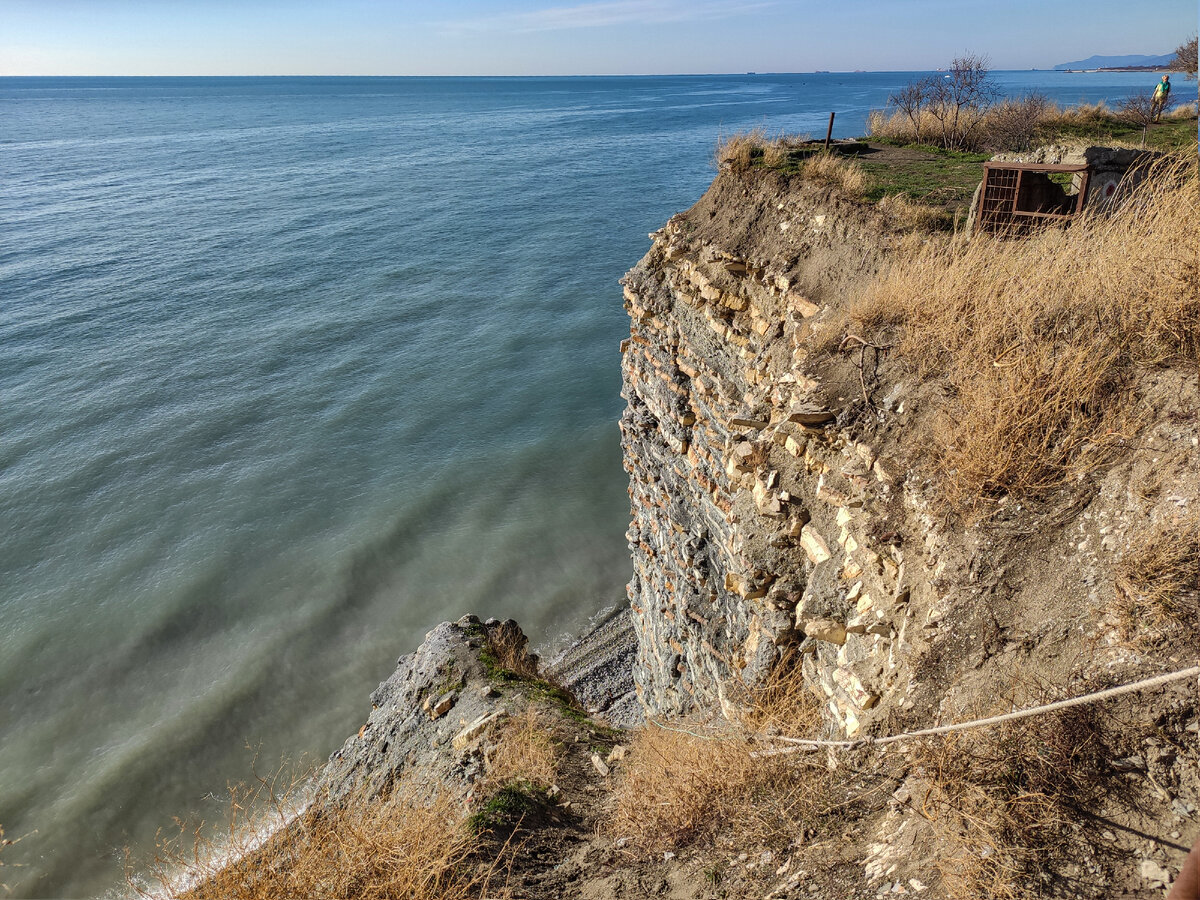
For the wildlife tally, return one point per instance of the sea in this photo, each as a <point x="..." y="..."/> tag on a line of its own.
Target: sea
<point x="291" y="370"/>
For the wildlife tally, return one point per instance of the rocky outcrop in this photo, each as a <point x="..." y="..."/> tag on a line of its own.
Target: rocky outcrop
<point x="435" y="713"/>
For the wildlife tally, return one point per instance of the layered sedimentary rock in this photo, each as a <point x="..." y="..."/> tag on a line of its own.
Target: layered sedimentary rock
<point x="781" y="500"/>
<point x="749" y="500"/>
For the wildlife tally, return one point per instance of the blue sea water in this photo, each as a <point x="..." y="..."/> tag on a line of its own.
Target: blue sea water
<point x="291" y="369"/>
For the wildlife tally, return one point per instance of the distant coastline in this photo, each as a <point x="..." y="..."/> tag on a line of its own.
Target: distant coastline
<point x="1124" y="69"/>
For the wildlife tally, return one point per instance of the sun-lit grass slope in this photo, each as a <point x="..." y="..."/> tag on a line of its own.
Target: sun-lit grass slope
<point x="1038" y="341"/>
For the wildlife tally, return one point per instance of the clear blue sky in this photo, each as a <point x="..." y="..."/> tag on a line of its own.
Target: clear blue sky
<point x="532" y="37"/>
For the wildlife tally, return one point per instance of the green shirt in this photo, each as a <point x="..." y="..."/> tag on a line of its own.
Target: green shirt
<point x="1163" y="88"/>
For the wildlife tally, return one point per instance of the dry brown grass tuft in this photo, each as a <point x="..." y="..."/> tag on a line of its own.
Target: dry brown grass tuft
<point x="409" y="846"/>
<point x="1002" y="801"/>
<point x="911" y="215"/>
<point x="525" y="753"/>
<point x="1083" y="114"/>
<point x="738" y="151"/>
<point x="775" y="154"/>
<point x="747" y="149"/>
<point x="1158" y="581"/>
<point x="784" y="705"/>
<point x="1037" y="340"/>
<point x="830" y="168"/>
<point x="683" y="784"/>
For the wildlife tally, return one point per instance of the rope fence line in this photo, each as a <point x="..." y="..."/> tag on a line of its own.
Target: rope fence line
<point x="800" y="745"/>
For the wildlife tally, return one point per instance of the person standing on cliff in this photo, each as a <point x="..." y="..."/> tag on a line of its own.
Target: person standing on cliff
<point x="1162" y="91"/>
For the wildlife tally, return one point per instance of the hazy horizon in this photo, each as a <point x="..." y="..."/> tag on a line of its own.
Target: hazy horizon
<point x="506" y="38"/>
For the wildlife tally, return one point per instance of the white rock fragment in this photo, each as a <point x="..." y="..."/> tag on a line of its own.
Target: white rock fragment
<point x="476" y="728"/>
<point x="600" y="765"/>
<point x="814" y="545"/>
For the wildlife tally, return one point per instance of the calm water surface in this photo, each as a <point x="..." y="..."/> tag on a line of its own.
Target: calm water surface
<point x="291" y="370"/>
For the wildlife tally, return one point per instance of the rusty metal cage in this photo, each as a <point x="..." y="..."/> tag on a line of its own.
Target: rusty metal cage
<point x="1017" y="196"/>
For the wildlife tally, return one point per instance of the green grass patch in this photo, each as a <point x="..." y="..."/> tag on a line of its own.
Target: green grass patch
<point x="1170" y="135"/>
<point x="508" y="808"/>
<point x="535" y="688"/>
<point x="939" y="179"/>
<point x="962" y="155"/>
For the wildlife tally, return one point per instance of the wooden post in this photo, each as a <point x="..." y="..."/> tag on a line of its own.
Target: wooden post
<point x="829" y="133"/>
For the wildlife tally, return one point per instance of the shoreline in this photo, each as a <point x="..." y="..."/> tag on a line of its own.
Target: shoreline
<point x="597" y="667"/>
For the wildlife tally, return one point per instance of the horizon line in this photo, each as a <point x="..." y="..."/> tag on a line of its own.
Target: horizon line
<point x="568" y="75"/>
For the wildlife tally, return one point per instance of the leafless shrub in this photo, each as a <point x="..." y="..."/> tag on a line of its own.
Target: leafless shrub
<point x="1185" y="57"/>
<point x="949" y="109"/>
<point x="910" y="100"/>
<point x="960" y="100"/>
<point x="1138" y="109"/>
<point x="1013" y="124"/>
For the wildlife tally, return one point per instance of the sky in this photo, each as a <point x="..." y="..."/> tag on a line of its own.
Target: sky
<point x="568" y="37"/>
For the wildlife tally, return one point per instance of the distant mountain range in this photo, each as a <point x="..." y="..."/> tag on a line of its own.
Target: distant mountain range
<point x="1109" y="62"/>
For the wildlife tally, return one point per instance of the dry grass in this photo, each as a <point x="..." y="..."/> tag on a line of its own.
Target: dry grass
<point x="922" y="128"/>
<point x="747" y="149"/>
<point x="1002" y="801"/>
<point x="526" y="753"/>
<point x="1011" y="124"/>
<point x="1158" y="582"/>
<point x="738" y="151"/>
<point x="682" y="784"/>
<point x="830" y="168"/>
<point x="1037" y="341"/>
<point x="911" y="215"/>
<point x="1017" y="124"/>
<point x="411" y="845"/>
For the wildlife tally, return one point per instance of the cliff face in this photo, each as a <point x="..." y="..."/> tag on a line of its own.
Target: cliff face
<point x="744" y="490"/>
<point x="783" y="505"/>
<point x="780" y="499"/>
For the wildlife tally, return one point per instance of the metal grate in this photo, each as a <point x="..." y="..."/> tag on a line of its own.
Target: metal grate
<point x="1007" y="205"/>
<point x="999" y="198"/>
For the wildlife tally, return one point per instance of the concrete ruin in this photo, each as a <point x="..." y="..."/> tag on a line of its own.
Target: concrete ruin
<point x="1020" y="191"/>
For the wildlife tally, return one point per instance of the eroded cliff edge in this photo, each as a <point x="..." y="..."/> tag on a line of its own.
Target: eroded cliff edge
<point x="780" y="500"/>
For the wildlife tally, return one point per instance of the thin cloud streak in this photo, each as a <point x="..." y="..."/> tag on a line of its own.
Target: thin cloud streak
<point x="612" y="12"/>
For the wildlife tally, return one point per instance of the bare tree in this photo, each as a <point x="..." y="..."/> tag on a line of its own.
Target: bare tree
<point x="1185" y="57"/>
<point x="960" y="100"/>
<point x="1013" y="124"/>
<point x="1138" y="109"/>
<point x="911" y="100"/>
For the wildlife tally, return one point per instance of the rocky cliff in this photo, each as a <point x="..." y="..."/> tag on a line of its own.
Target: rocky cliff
<point x="755" y="509"/>
<point x="783" y="507"/>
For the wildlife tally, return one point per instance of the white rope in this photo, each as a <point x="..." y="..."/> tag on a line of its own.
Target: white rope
<point x="1146" y="684"/>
